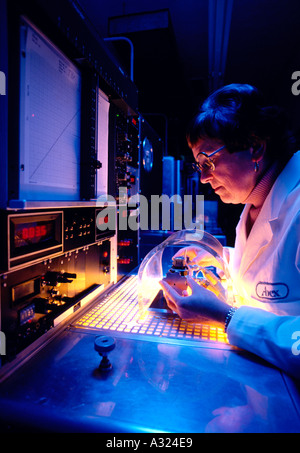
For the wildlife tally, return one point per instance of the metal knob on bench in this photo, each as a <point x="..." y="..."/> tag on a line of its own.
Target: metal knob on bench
<point x="103" y="345"/>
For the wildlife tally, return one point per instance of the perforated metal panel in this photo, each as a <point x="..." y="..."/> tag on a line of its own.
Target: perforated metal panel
<point x="118" y="312"/>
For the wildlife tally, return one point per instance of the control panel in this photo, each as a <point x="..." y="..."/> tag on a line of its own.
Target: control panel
<point x="127" y="156"/>
<point x="56" y="262"/>
<point x="80" y="227"/>
<point x="36" y="298"/>
<point x="127" y="186"/>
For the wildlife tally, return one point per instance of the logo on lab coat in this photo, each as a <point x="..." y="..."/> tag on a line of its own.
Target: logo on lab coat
<point x="272" y="291"/>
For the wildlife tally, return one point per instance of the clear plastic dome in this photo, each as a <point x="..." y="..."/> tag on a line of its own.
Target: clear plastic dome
<point x="186" y="252"/>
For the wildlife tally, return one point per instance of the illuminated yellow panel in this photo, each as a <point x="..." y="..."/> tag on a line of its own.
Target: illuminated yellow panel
<point x="120" y="312"/>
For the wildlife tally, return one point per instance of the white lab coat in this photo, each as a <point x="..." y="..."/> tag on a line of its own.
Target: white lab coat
<point x="266" y="271"/>
<point x="266" y="266"/>
<point x="272" y="337"/>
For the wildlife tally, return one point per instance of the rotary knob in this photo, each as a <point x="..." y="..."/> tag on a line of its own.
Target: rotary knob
<point x="103" y="345"/>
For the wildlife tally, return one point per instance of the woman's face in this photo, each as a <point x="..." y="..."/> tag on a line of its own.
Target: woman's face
<point x="233" y="178"/>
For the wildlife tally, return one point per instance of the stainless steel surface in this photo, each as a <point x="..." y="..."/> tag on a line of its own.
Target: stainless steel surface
<point x="162" y="379"/>
<point x="152" y="387"/>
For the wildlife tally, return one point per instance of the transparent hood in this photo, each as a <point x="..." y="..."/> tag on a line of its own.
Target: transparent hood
<point x="187" y="252"/>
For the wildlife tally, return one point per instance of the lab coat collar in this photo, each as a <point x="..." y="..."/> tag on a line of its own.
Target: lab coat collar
<point x="261" y="233"/>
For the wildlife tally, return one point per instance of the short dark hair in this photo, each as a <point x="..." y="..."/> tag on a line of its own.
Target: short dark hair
<point x="237" y="115"/>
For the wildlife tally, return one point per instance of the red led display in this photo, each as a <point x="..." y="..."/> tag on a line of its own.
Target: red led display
<point x="34" y="232"/>
<point x="30" y="233"/>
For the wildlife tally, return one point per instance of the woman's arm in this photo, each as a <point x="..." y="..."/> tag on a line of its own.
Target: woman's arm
<point x="274" y="338"/>
<point x="271" y="337"/>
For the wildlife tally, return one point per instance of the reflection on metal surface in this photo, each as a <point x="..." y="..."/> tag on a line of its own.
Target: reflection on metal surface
<point x="118" y="312"/>
<point x="152" y="387"/>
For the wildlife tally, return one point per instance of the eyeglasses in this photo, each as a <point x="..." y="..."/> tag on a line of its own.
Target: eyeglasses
<point x="207" y="163"/>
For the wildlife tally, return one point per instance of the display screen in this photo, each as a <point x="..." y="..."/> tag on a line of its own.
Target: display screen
<point x="24" y="290"/>
<point x="33" y="233"/>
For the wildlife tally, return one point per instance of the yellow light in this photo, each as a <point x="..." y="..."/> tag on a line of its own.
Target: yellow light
<point x="189" y="291"/>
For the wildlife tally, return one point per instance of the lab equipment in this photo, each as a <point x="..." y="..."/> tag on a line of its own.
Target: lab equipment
<point x="186" y="252"/>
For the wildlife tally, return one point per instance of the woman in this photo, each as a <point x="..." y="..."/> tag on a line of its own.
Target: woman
<point x="242" y="149"/>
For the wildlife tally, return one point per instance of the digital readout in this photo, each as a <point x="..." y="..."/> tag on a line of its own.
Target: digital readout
<point x="33" y="233"/>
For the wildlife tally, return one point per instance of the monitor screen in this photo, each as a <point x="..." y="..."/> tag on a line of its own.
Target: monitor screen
<point x="50" y="114"/>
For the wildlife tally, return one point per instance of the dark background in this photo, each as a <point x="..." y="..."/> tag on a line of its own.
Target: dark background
<point x="171" y="58"/>
<point x="184" y="49"/>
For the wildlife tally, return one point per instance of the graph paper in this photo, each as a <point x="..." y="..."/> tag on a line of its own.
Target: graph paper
<point x="49" y="120"/>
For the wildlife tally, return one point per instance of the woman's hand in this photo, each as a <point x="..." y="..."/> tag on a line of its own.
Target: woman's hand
<point x="202" y="303"/>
